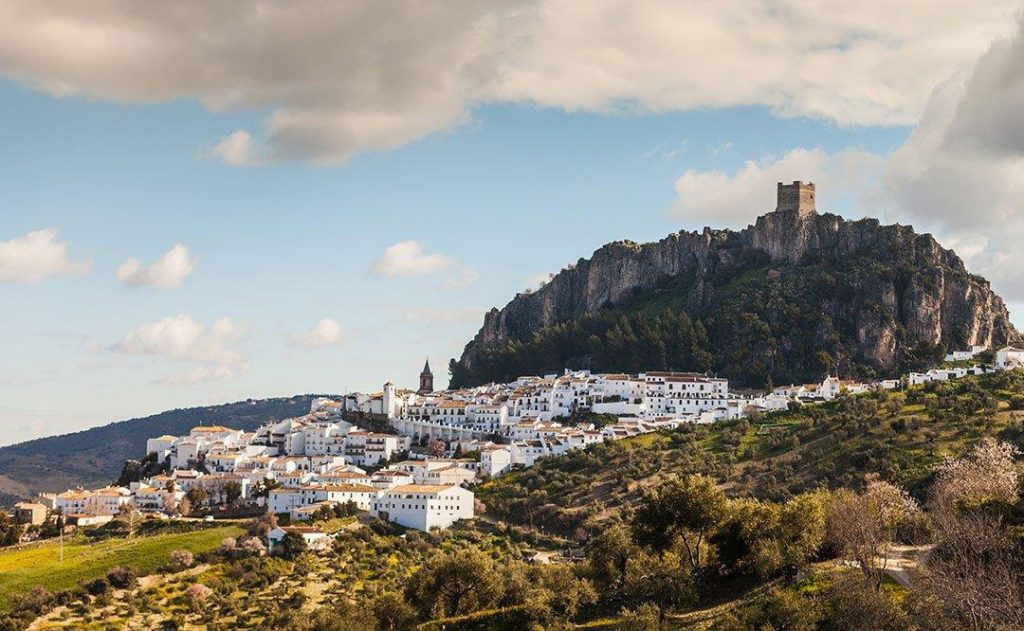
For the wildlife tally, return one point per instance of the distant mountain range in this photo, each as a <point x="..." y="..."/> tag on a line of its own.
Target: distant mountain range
<point x="94" y="457"/>
<point x="791" y="298"/>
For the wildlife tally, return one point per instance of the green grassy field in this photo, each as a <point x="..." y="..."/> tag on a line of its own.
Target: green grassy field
<point x="24" y="568"/>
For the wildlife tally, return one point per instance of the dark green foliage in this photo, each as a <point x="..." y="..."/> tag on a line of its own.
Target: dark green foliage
<point x="10" y="532"/>
<point x="292" y="545"/>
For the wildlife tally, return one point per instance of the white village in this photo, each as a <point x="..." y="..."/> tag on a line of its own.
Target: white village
<point x="419" y="471"/>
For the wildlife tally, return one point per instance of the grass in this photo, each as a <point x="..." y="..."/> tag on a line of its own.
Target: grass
<point x="24" y="568"/>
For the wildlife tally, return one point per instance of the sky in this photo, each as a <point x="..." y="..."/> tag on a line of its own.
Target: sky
<point x="207" y="202"/>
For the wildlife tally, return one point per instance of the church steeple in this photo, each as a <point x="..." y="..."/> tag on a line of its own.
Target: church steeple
<point x="426" y="379"/>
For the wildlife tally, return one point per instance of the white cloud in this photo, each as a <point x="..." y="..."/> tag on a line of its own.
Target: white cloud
<point x="408" y="68"/>
<point x="183" y="338"/>
<point x="167" y="272"/>
<point x="237" y="148"/>
<point x="718" y="198"/>
<point x="959" y="175"/>
<point x="408" y="259"/>
<point x="961" y="172"/>
<point x="37" y="256"/>
<point x="327" y="332"/>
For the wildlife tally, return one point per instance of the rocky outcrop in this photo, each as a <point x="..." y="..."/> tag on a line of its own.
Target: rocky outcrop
<point x="931" y="299"/>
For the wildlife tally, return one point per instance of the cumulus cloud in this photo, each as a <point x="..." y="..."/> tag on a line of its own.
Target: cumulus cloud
<point x="237" y="149"/>
<point x="408" y="259"/>
<point x="327" y="332"/>
<point x="37" y="256"/>
<point x="183" y="338"/>
<point x="167" y="272"/>
<point x="339" y="78"/>
<point x="734" y="199"/>
<point x="961" y="172"/>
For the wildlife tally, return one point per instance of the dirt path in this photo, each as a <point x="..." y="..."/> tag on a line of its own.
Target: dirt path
<point x="904" y="560"/>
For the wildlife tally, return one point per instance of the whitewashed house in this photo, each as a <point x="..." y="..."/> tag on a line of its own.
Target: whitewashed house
<point x="1009" y="357"/>
<point x="424" y="507"/>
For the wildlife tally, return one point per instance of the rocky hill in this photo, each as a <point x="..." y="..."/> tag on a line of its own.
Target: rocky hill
<point x="792" y="297"/>
<point x="94" y="457"/>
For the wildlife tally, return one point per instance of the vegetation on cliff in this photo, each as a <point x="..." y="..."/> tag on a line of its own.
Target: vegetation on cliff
<point x="787" y="300"/>
<point x="768" y="322"/>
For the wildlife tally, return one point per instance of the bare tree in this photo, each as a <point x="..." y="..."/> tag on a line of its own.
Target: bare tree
<point x="976" y="571"/>
<point x="436" y="448"/>
<point x="863" y="527"/>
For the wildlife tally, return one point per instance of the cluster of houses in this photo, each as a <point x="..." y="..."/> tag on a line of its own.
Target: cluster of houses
<point x="300" y="466"/>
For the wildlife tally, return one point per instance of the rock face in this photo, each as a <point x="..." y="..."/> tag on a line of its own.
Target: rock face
<point x="932" y="300"/>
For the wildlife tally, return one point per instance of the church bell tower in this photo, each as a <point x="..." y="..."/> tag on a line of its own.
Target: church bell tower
<point x="426" y="380"/>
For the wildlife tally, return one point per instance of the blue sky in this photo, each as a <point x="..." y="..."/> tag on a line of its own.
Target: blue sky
<point x="498" y="193"/>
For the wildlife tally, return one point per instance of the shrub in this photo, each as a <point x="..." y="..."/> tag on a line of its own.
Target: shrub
<point x="98" y="586"/>
<point x="122" y="577"/>
<point x="197" y="595"/>
<point x="181" y="559"/>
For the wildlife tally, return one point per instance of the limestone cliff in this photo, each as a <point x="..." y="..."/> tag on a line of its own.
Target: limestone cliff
<point x="882" y="291"/>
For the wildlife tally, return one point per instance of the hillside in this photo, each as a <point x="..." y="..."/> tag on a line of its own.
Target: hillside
<point x="790" y="298"/>
<point x="901" y="436"/>
<point x="94" y="457"/>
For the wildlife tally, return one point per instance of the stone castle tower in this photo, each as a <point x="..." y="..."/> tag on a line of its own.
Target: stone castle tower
<point x="797" y="197"/>
<point x="426" y="380"/>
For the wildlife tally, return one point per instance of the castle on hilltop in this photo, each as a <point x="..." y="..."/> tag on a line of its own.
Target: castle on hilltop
<point x="798" y="197"/>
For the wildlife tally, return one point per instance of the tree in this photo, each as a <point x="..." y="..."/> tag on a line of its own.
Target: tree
<point x="864" y="526"/>
<point x="986" y="474"/>
<point x="688" y="509"/>
<point x="665" y="579"/>
<point x="10" y="531"/>
<point x="607" y="556"/>
<point x="196" y="496"/>
<point x="292" y="545"/>
<point x="197" y="594"/>
<point x="563" y="592"/>
<point x="181" y="559"/>
<point x="232" y="492"/>
<point x="976" y="571"/>
<point x="130" y="515"/>
<point x="262" y="525"/>
<point x="264" y="487"/>
<point x="392" y="612"/>
<point x="122" y="577"/>
<point x="765" y="538"/>
<point x="436" y="448"/>
<point x="454" y="583"/>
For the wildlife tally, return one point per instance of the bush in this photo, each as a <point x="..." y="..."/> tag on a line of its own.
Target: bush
<point x="36" y="601"/>
<point x="122" y="577"/>
<point x="98" y="586"/>
<point x="181" y="560"/>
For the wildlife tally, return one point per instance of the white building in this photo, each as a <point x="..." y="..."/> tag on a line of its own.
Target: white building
<point x="1009" y="357"/>
<point x="424" y="507"/>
